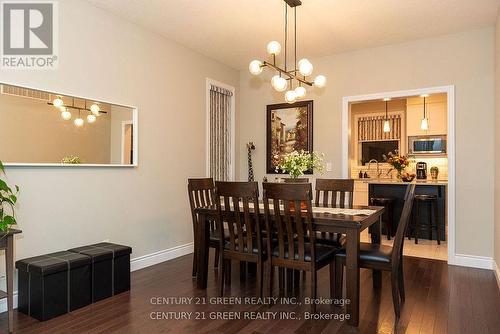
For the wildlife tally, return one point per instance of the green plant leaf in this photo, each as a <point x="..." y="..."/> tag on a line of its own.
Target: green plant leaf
<point x="2" y="168"/>
<point x="4" y="186"/>
<point x="13" y="198"/>
<point x="17" y="188"/>
<point x="9" y="220"/>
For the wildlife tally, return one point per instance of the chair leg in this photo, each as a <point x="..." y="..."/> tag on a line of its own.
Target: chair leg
<point x="260" y="279"/>
<point x="221" y="273"/>
<point x="216" y="260"/>
<point x="401" y="281"/>
<point x="271" y="279"/>
<point x="438" y="231"/>
<point x="195" y="258"/>
<point x="417" y="223"/>
<point x="332" y="279"/>
<point x="227" y="271"/>
<point x="314" y="288"/>
<point x="243" y="271"/>
<point x="395" y="293"/>
<point x="339" y="278"/>
<point x="281" y="280"/>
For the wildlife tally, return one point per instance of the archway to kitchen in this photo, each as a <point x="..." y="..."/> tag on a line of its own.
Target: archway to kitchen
<point x="364" y="138"/>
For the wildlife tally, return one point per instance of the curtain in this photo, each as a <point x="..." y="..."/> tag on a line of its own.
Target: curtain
<point x="372" y="128"/>
<point x="220" y="133"/>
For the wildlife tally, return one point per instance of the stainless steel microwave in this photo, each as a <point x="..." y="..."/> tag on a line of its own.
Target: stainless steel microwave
<point x="427" y="145"/>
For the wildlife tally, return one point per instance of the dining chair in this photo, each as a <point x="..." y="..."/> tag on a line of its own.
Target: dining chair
<point x="294" y="245"/>
<point x="333" y="192"/>
<point x="239" y="228"/>
<point x="201" y="193"/>
<point x="381" y="257"/>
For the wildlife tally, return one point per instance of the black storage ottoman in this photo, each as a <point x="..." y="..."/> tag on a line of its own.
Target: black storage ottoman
<point x="110" y="268"/>
<point x="53" y="284"/>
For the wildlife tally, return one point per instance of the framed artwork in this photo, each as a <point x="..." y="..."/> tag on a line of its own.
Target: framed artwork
<point x="289" y="128"/>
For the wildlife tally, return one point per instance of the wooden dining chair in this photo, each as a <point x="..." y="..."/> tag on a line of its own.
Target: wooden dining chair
<point x="239" y="228"/>
<point x="381" y="257"/>
<point x="294" y="245"/>
<point x="201" y="193"/>
<point x="333" y="192"/>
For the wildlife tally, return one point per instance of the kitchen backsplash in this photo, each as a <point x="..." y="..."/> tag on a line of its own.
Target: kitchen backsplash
<point x="384" y="169"/>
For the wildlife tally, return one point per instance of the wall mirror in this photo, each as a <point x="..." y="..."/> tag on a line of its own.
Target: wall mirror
<point x="39" y="128"/>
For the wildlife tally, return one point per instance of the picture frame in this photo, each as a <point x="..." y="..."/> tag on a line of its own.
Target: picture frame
<point x="289" y="128"/>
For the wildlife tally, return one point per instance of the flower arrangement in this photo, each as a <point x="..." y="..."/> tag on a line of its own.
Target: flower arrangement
<point x="8" y="200"/>
<point x="71" y="160"/>
<point x="399" y="163"/>
<point x="296" y="163"/>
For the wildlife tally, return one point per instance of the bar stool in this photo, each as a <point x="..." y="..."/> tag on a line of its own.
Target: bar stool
<point x="388" y="204"/>
<point x="432" y="223"/>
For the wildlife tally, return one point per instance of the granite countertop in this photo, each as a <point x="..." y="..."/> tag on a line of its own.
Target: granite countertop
<point x="394" y="181"/>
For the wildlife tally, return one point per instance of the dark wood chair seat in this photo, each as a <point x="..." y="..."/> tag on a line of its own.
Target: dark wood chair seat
<point x="382" y="200"/>
<point x="425" y="197"/>
<point x="323" y="252"/>
<point x="372" y="253"/>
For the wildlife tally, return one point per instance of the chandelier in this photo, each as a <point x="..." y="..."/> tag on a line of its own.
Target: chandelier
<point x="92" y="112"/>
<point x="290" y="79"/>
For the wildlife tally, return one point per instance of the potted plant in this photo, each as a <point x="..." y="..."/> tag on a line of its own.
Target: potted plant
<point x="8" y="200"/>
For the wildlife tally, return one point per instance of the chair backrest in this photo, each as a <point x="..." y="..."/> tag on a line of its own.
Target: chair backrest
<point x="299" y="180"/>
<point x="397" y="250"/>
<point x="238" y="214"/>
<point x="292" y="227"/>
<point x="327" y="189"/>
<point x="201" y="193"/>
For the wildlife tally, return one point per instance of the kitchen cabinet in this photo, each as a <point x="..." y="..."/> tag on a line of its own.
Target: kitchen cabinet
<point x="360" y="195"/>
<point x="437" y="113"/>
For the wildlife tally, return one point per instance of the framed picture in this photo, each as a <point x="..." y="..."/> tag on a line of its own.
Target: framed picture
<point x="289" y="128"/>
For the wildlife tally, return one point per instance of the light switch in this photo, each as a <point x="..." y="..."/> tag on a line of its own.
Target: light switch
<point x="328" y="166"/>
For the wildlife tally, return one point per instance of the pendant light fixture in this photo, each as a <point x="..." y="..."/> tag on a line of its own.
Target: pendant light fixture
<point x="387" y="126"/>
<point x="424" y="125"/>
<point x="287" y="78"/>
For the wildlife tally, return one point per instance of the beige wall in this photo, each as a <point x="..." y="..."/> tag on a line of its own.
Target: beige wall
<point x="464" y="60"/>
<point x="497" y="144"/>
<point x="145" y="207"/>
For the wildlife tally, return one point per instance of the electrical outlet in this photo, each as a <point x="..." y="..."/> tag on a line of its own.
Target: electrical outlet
<point x="329" y="167"/>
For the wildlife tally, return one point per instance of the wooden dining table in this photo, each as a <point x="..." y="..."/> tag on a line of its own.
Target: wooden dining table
<point x="324" y="221"/>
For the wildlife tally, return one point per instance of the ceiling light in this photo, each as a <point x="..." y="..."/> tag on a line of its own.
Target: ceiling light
<point x="79" y="122"/>
<point x="279" y="83"/>
<point x="66" y="115"/>
<point x="91" y="118"/>
<point x="300" y="92"/>
<point x="424" y="124"/>
<point x="255" y="67"/>
<point x="273" y="48"/>
<point x="94" y="108"/>
<point x="58" y="102"/>
<point x="387" y="126"/>
<point x="293" y="74"/>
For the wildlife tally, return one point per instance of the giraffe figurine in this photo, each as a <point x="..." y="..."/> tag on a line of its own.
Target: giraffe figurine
<point x="250" y="147"/>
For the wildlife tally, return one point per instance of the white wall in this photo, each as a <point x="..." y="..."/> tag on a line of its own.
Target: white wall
<point x="109" y="59"/>
<point x="464" y="60"/>
<point x="497" y="147"/>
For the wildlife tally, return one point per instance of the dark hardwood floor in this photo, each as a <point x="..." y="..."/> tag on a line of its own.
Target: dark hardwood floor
<point x="439" y="299"/>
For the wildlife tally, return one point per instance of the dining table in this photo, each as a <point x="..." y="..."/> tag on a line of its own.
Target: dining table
<point x="349" y="220"/>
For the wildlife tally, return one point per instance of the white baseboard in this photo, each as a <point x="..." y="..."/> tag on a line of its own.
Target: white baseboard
<point x="496" y="269"/>
<point x="136" y="264"/>
<point x="473" y="261"/>
<point x="161" y="256"/>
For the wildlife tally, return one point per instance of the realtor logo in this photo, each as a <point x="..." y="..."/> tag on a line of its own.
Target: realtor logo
<point x="29" y="35"/>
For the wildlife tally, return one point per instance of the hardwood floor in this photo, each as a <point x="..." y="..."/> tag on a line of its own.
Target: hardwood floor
<point x="439" y="299"/>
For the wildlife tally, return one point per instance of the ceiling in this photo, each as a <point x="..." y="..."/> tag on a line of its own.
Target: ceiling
<point x="237" y="31"/>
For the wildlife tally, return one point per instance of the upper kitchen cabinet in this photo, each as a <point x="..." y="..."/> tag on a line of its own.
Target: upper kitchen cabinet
<point x="436" y="110"/>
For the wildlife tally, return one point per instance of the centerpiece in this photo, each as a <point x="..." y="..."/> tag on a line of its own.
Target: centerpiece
<point x="8" y="200"/>
<point x="399" y="163"/>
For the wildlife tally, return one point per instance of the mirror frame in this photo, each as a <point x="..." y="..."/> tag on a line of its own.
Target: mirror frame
<point x="135" y="122"/>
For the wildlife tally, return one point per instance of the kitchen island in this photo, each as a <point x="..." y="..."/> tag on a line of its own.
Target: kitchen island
<point x="396" y="189"/>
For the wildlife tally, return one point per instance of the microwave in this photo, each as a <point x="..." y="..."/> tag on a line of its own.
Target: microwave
<point x="427" y="145"/>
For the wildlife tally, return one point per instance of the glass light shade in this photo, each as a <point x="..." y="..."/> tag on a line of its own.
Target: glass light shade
<point x="424" y="125"/>
<point x="305" y="67"/>
<point x="320" y="81"/>
<point x="387" y="126"/>
<point x="79" y="121"/>
<point x="300" y="92"/>
<point x="63" y="108"/>
<point x="95" y="109"/>
<point x="279" y="83"/>
<point x="290" y="96"/>
<point x="273" y="48"/>
<point x="91" y="118"/>
<point x="255" y="67"/>
<point x="66" y="115"/>
<point x="58" y="102"/>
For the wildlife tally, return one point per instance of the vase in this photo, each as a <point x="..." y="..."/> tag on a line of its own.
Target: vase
<point x="399" y="176"/>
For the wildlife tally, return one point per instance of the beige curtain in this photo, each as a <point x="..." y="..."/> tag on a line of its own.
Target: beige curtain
<point x="220" y="133"/>
<point x="372" y="128"/>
